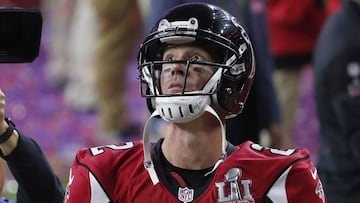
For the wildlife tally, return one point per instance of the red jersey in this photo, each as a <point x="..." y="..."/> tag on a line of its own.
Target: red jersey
<point x="251" y="173"/>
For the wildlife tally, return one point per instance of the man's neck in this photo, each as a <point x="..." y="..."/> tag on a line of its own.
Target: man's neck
<point x="196" y="147"/>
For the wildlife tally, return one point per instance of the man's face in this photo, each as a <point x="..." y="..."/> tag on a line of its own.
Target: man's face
<point x="172" y="75"/>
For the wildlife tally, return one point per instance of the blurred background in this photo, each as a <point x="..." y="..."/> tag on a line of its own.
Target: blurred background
<point x="61" y="101"/>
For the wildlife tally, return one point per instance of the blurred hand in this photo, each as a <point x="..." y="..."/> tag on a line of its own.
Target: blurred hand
<point x="3" y="127"/>
<point x="8" y="146"/>
<point x="3" y="124"/>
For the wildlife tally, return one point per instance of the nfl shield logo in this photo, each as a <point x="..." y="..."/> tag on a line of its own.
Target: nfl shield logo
<point x="186" y="194"/>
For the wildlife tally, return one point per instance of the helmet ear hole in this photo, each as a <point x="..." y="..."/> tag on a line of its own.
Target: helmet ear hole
<point x="230" y="90"/>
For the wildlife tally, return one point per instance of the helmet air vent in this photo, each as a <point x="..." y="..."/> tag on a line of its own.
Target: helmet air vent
<point x="191" y="109"/>
<point x="180" y="111"/>
<point x="170" y="113"/>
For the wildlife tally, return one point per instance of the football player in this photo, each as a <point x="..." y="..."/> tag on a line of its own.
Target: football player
<point x="195" y="70"/>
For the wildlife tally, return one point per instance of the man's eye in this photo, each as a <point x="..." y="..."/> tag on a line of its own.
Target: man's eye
<point x="195" y="58"/>
<point x="201" y="69"/>
<point x="166" y="69"/>
<point x="170" y="58"/>
<point x="198" y="69"/>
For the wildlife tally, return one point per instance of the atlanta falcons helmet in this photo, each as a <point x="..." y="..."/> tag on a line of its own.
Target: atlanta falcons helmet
<point x="211" y="27"/>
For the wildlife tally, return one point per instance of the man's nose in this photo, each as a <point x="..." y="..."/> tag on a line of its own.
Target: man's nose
<point x="178" y="69"/>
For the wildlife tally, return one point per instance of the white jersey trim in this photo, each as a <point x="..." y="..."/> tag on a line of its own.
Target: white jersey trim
<point x="277" y="192"/>
<point x="97" y="193"/>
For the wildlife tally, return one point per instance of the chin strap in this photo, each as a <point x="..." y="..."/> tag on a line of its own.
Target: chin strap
<point x="148" y="163"/>
<point x="223" y="139"/>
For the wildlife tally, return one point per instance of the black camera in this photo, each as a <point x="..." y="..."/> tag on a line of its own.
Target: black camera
<point x="20" y="34"/>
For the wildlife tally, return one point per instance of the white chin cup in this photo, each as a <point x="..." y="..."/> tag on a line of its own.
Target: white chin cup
<point x="181" y="109"/>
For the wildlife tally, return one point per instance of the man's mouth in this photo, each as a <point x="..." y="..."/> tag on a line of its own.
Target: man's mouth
<point x="175" y="88"/>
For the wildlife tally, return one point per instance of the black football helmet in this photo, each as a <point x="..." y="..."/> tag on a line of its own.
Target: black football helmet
<point x="211" y="27"/>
